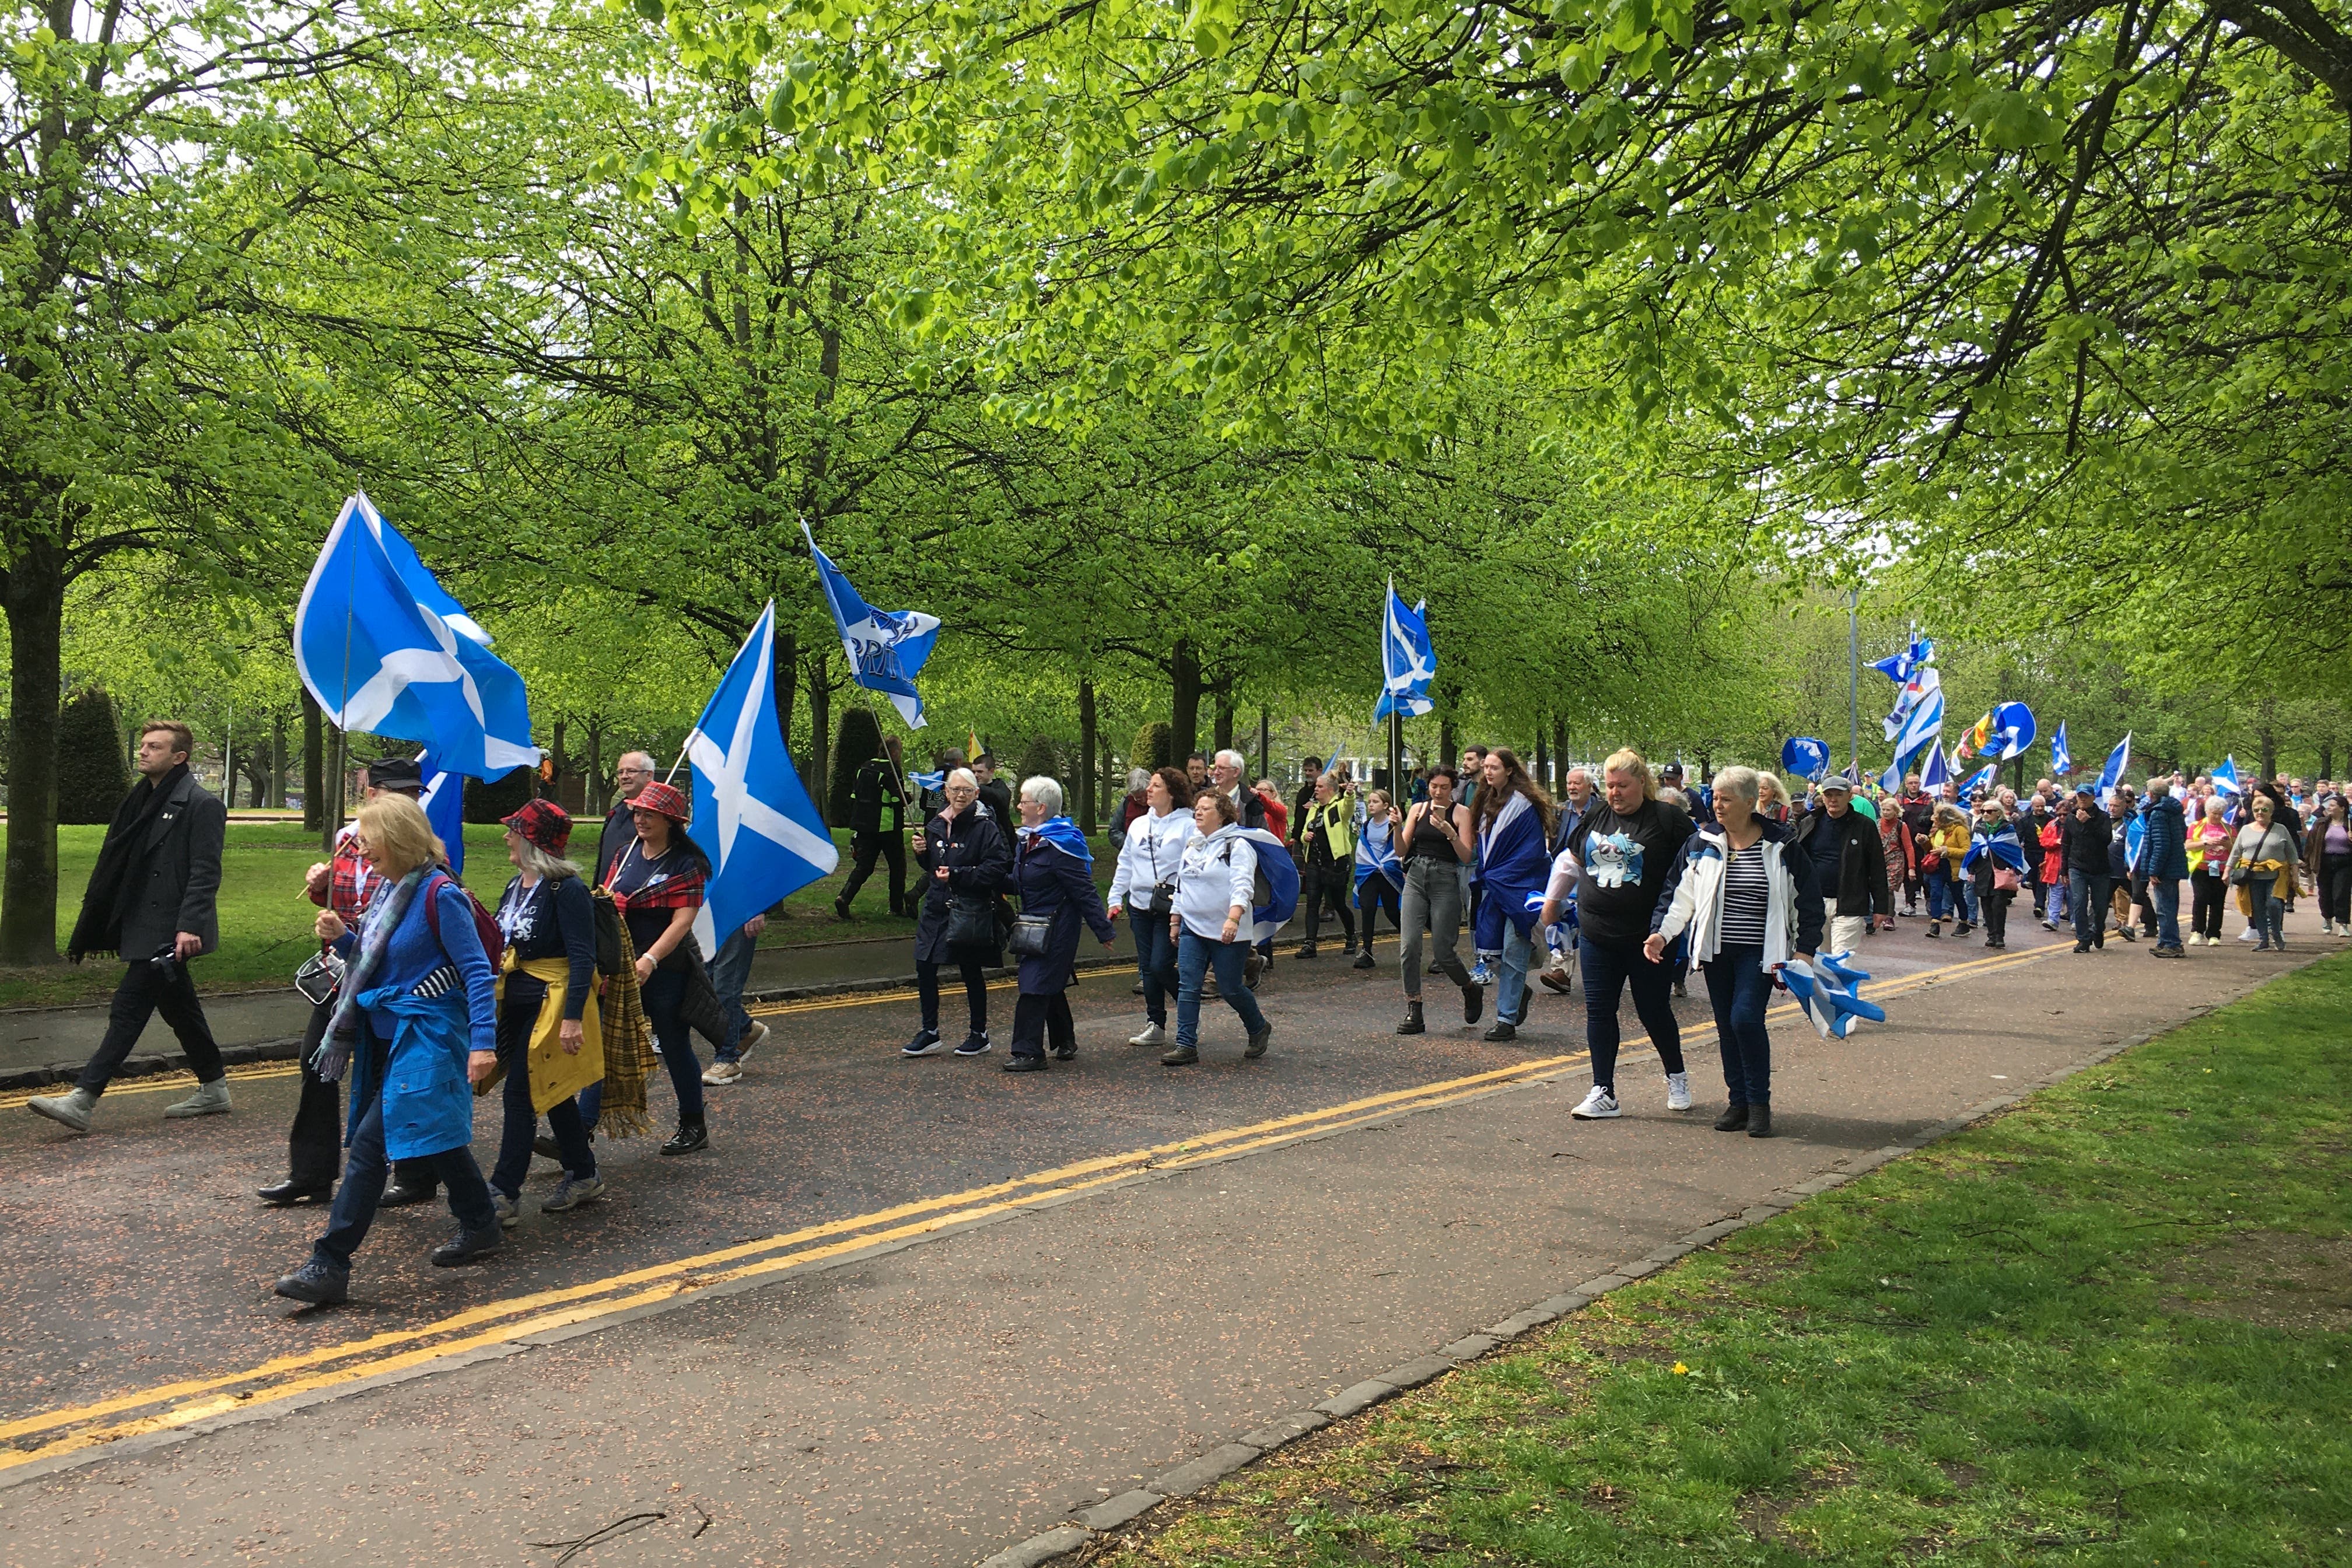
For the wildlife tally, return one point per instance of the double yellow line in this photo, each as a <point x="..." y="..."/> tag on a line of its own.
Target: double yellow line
<point x="166" y="1406"/>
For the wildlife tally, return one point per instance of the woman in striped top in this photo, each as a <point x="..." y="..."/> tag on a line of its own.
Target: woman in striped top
<point x="1736" y="886"/>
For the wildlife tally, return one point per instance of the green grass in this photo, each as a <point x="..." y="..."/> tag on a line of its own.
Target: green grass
<point x="266" y="920"/>
<point x="2110" y="1327"/>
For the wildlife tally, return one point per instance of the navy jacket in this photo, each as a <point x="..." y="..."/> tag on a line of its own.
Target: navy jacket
<point x="979" y="863"/>
<point x="2164" y="846"/>
<point x="1056" y="883"/>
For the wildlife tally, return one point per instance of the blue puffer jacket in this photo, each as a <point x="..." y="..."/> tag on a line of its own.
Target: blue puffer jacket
<point x="2164" y="851"/>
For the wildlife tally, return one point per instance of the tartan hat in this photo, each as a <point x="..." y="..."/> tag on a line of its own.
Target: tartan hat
<point x="542" y="823"/>
<point x="664" y="800"/>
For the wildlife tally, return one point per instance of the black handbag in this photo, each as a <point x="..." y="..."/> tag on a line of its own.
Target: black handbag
<point x="1031" y="935"/>
<point x="608" y="933"/>
<point x="971" y="922"/>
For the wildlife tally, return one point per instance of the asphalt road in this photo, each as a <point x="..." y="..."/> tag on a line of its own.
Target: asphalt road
<point x="1370" y="1197"/>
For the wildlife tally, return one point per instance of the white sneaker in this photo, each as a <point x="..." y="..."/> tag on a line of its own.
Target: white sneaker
<point x="1678" y="1091"/>
<point x="1598" y="1105"/>
<point x="1153" y="1034"/>
<point x="2250" y="934"/>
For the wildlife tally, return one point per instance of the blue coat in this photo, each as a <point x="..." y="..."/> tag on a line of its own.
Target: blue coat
<point x="428" y="1104"/>
<point x="2164" y="851"/>
<point x="1056" y="882"/>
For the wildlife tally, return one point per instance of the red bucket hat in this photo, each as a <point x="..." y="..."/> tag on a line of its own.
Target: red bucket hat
<point x="542" y="823"/>
<point x="665" y="800"/>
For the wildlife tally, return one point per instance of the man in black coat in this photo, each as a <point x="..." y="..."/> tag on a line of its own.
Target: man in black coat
<point x="877" y="826"/>
<point x="630" y="774"/>
<point x="2085" y="837"/>
<point x="152" y="899"/>
<point x="1848" y="864"/>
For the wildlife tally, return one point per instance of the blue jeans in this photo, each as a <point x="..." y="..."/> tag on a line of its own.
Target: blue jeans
<point x="1195" y="956"/>
<point x="1964" y="900"/>
<point x="517" y="1014"/>
<point x="364" y="1171"/>
<point x="2165" y="894"/>
<point x="2056" y="911"/>
<point x="730" y="973"/>
<point x="663" y="996"/>
<point x="1938" y="878"/>
<point x="1742" y="988"/>
<point x="1608" y="971"/>
<point x="2270" y="914"/>
<point x="2088" y="891"/>
<point x="1155" y="961"/>
<point x="1511" y="996"/>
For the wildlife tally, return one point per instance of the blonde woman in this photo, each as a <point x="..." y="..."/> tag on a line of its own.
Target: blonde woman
<point x="420" y="976"/>
<point x="2262" y="863"/>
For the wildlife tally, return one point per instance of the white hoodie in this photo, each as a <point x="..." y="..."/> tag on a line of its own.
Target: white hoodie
<point x="1208" y="885"/>
<point x="1153" y="846"/>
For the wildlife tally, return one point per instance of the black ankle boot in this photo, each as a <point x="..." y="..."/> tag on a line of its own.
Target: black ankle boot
<point x="1759" y="1122"/>
<point x="1732" y="1120"/>
<point x="1412" y="1024"/>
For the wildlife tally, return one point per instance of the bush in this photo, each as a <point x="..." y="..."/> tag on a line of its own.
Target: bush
<point x="859" y="738"/>
<point x="92" y="778"/>
<point x="1155" y="747"/>
<point x="1039" y="759"/>
<point x="494" y="801"/>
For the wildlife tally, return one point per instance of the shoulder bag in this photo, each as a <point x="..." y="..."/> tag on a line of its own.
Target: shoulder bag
<point x="1032" y="936"/>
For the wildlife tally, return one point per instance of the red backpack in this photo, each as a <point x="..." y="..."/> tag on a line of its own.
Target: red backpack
<point x="485" y="924"/>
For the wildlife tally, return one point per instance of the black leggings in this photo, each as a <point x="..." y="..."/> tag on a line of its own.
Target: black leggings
<point x="1379" y="893"/>
<point x="975" y="993"/>
<point x="2207" y="892"/>
<point x="1328" y="885"/>
<point x="2334" y="883"/>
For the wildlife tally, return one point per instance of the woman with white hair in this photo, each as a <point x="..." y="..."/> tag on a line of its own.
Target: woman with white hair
<point x="1053" y="871"/>
<point x="1737" y="883"/>
<point x="963" y="860"/>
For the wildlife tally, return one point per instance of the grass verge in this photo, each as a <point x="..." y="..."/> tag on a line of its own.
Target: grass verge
<point x="2113" y="1326"/>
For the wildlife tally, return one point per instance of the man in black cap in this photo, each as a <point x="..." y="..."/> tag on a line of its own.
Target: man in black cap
<point x="152" y="899"/>
<point x="314" y="1144"/>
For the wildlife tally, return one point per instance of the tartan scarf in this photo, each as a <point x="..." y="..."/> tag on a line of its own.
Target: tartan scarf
<point x="628" y="1044"/>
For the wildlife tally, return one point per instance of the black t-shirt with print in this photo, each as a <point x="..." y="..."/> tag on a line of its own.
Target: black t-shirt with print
<point x="1626" y="860"/>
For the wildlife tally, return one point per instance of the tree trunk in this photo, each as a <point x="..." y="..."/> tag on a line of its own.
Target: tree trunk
<point x="1445" y="752"/>
<point x="784" y="677"/>
<point x="1560" y="749"/>
<point x="2328" y="760"/>
<point x="1184" y="715"/>
<point x="314" y="764"/>
<point x="1266" y="739"/>
<point x="595" y="795"/>
<point x="1543" y="763"/>
<point x="1224" y="698"/>
<point x="820" y="692"/>
<point x="277" y="796"/>
<point x="556" y="755"/>
<point x="34" y="594"/>
<point x="1092" y="786"/>
<point x="2268" y="736"/>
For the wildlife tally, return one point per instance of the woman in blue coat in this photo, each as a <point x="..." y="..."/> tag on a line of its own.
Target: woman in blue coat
<point x="419" y="971"/>
<point x="1053" y="872"/>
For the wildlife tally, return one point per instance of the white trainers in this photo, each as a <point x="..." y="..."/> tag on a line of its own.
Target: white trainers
<point x="1153" y="1034"/>
<point x="2250" y="934"/>
<point x="1678" y="1091"/>
<point x="722" y="1072"/>
<point x="1598" y="1105"/>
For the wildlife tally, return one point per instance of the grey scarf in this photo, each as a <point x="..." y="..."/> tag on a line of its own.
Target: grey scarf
<point x="334" y="1052"/>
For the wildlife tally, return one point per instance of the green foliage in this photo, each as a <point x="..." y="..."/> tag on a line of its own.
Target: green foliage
<point x="1154" y="746"/>
<point x="1040" y="758"/>
<point x="92" y="778"/>
<point x="495" y="800"/>
<point x="859" y="741"/>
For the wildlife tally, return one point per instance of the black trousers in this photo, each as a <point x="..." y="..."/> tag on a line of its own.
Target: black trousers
<point x="975" y="991"/>
<point x="1038" y="1020"/>
<point x="2335" y="885"/>
<point x="1327" y="884"/>
<point x="145" y="990"/>
<point x="2207" y="892"/>
<point x="864" y="848"/>
<point x="314" y="1144"/>
<point x="1376" y="894"/>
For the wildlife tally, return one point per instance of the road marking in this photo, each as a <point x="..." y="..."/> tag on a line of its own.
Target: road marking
<point x="518" y="1318"/>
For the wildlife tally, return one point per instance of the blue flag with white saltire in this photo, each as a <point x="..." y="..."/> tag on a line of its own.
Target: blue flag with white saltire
<point x="386" y="652"/>
<point x="1898" y="667"/>
<point x="1408" y="659"/>
<point x="752" y="819"/>
<point x="1830" y="993"/>
<point x="1281" y="874"/>
<point x="1805" y="757"/>
<point x="1936" y="771"/>
<point x="1381" y="860"/>
<point x="444" y="801"/>
<point x="886" y="648"/>
<point x="1924" y="691"/>
<point x="2113" y="773"/>
<point x="2010" y="730"/>
<point x="2225" y="777"/>
<point x="2062" y="761"/>
<point x="1983" y="778"/>
<point x="2134" y="838"/>
<point x="2002" y="843"/>
<point x="930" y="781"/>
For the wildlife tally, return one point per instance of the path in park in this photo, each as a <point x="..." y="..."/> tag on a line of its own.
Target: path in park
<point x="909" y="1312"/>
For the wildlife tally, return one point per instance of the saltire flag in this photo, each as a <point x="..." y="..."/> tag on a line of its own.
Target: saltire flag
<point x="1379" y="862"/>
<point x="1924" y="687"/>
<point x="1805" y="757"/>
<point x="1898" y="667"/>
<point x="752" y="817"/>
<point x="1981" y="779"/>
<point x="2135" y="836"/>
<point x="444" y="801"/>
<point x="2113" y="773"/>
<point x="1830" y="991"/>
<point x="923" y="781"/>
<point x="1408" y="659"/>
<point x="387" y="652"/>
<point x="1922" y="727"/>
<point x="1281" y="875"/>
<point x="1935" y="773"/>
<point x="2002" y="843"/>
<point x="1063" y="835"/>
<point x="2225" y="777"/>
<point x="2062" y="761"/>
<point x="886" y="648"/>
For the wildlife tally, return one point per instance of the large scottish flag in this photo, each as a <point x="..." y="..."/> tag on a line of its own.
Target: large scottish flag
<point x="2225" y="777"/>
<point x="1805" y="757"/>
<point x="1899" y="668"/>
<point x="387" y="652"/>
<point x="2062" y="761"/>
<point x="2117" y="759"/>
<point x="886" y="647"/>
<point x="1922" y="694"/>
<point x="1408" y="659"/>
<point x="752" y="816"/>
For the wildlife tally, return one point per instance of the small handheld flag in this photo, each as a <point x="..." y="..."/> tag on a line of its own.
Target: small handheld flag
<point x="2225" y="777"/>
<point x="1935" y="773"/>
<point x="1408" y="659"/>
<point x="1830" y="994"/>
<point x="1805" y="757"/>
<point x="2062" y="761"/>
<point x="886" y="648"/>
<point x="753" y="819"/>
<point x="2117" y="759"/>
<point x="1980" y="780"/>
